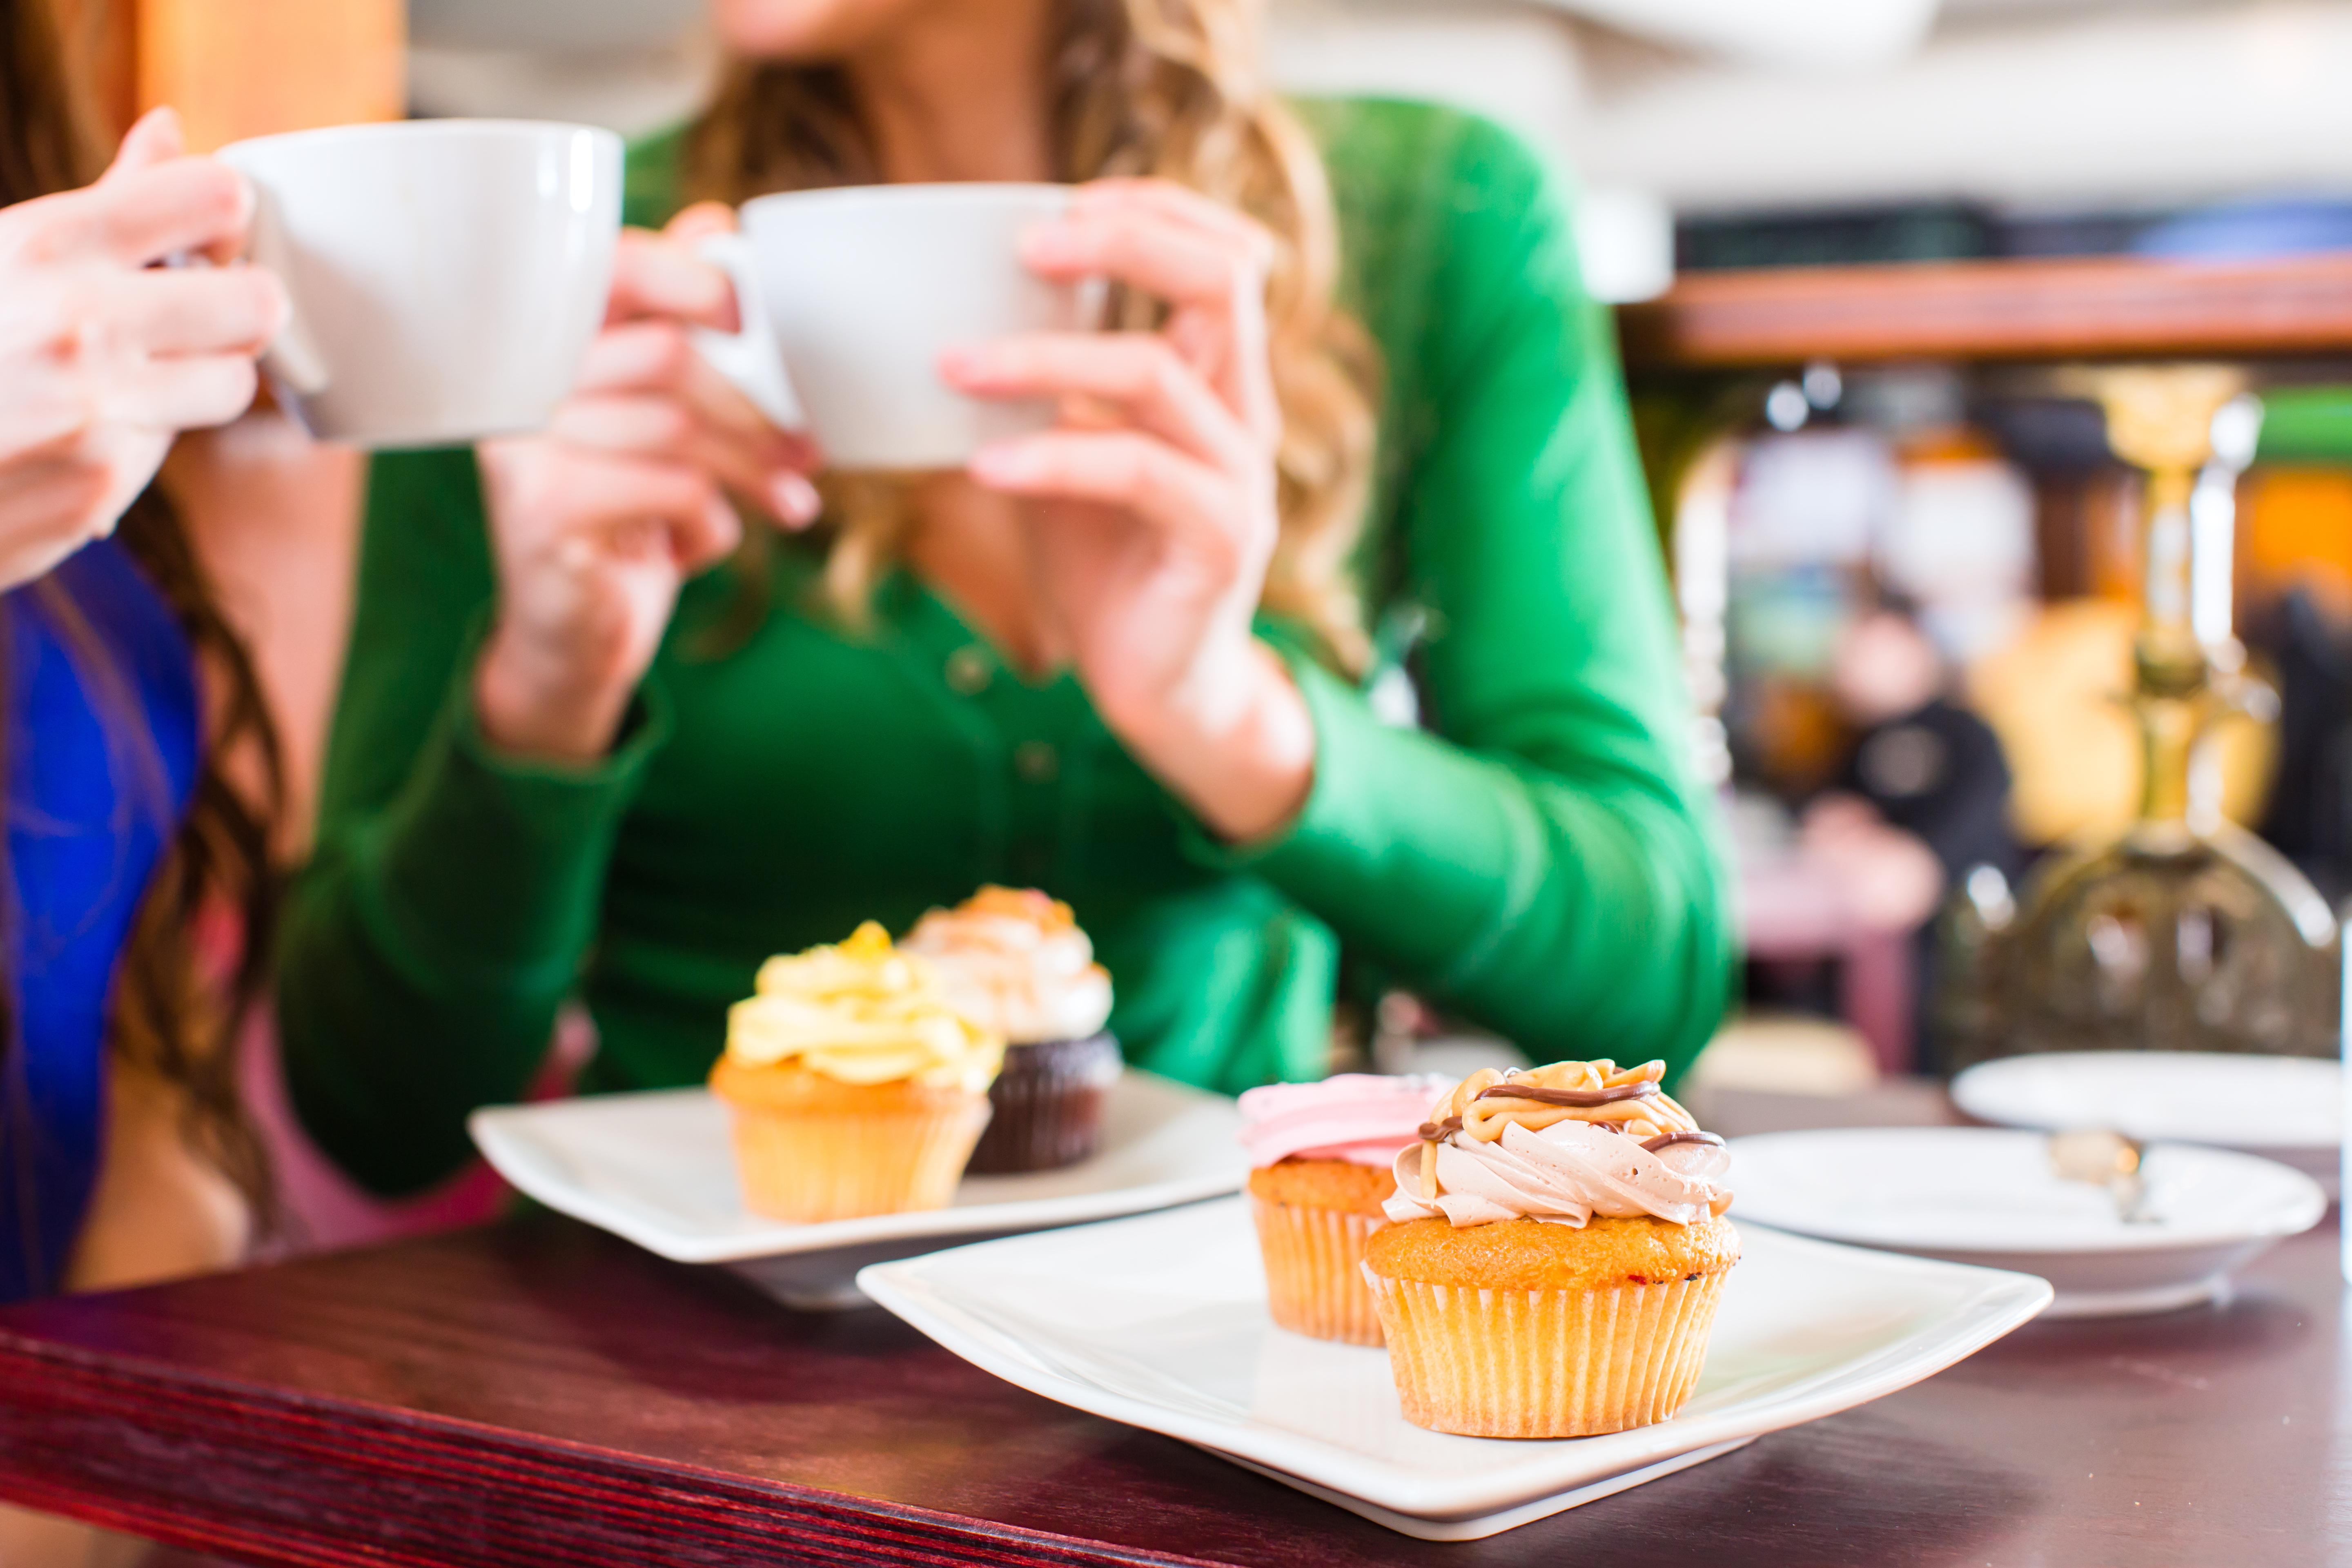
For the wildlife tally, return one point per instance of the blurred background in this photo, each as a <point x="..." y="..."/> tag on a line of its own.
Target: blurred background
<point x="1860" y="247"/>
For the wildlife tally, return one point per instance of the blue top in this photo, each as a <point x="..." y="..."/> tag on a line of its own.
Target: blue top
<point x="89" y="815"/>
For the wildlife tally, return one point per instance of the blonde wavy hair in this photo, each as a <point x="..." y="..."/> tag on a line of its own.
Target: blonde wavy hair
<point x="1165" y="87"/>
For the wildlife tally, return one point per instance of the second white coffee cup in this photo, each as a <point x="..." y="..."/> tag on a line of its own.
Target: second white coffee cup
<point x="849" y="296"/>
<point x="446" y="275"/>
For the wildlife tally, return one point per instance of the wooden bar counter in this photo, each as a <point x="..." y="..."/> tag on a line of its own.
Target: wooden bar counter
<point x="538" y="1394"/>
<point x="2034" y="311"/>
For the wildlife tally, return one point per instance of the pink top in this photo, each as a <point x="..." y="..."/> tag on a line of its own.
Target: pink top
<point x="1361" y="1117"/>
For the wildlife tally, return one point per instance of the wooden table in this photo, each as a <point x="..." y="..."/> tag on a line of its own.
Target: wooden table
<point x="536" y="1393"/>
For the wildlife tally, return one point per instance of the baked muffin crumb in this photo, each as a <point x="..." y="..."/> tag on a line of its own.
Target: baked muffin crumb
<point x="1341" y="1184"/>
<point x="1530" y="1255"/>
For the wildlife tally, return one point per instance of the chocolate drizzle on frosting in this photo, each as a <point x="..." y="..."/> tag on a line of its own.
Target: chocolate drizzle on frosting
<point x="1667" y="1139"/>
<point x="1579" y="1098"/>
<point x="1435" y="1130"/>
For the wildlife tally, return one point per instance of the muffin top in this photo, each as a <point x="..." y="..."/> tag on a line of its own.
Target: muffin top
<point x="1528" y="1255"/>
<point x="861" y="1012"/>
<point x="1015" y="961"/>
<point x="1336" y="1186"/>
<point x="1361" y="1118"/>
<point x="1560" y="1144"/>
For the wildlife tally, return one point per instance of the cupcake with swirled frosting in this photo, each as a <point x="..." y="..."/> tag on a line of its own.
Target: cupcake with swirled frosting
<point x="1321" y="1155"/>
<point x="1556" y="1253"/>
<point x="856" y="1086"/>
<point x="1015" y="961"/>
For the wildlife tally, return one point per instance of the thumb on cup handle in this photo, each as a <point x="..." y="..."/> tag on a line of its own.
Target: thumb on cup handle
<point x="748" y="356"/>
<point x="294" y="361"/>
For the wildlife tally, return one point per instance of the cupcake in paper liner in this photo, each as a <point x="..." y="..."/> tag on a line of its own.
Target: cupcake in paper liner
<point x="1015" y="961"/>
<point x="1557" y="1252"/>
<point x="1320" y="1158"/>
<point x="854" y="1087"/>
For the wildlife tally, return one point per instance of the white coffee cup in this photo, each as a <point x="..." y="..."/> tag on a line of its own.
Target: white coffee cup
<point x="447" y="275"/>
<point x="849" y="296"/>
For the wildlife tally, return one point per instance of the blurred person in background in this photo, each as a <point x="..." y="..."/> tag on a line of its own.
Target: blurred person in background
<point x="2308" y="814"/>
<point x="597" y="735"/>
<point x="1921" y="799"/>
<point x="1922" y="767"/>
<point x="125" y="1155"/>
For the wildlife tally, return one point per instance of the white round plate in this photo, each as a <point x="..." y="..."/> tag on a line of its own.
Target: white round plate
<point x="1986" y="1195"/>
<point x="2288" y="1109"/>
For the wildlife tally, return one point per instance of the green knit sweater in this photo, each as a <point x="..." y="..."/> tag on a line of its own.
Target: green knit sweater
<point x="1535" y="855"/>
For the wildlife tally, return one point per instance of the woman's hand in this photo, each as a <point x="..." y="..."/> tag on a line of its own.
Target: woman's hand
<point x="598" y="522"/>
<point x="1154" y="510"/>
<point x="105" y="356"/>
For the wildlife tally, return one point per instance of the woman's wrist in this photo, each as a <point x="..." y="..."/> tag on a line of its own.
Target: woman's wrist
<point x="530" y="705"/>
<point x="1245" y="761"/>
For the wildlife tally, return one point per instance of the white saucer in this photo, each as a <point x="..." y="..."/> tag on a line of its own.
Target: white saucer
<point x="658" y="1169"/>
<point x="2288" y="1109"/>
<point x="1160" y="1321"/>
<point x="1987" y="1196"/>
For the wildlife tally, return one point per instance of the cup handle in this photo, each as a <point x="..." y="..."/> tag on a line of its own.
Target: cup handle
<point x="748" y="356"/>
<point x="293" y="360"/>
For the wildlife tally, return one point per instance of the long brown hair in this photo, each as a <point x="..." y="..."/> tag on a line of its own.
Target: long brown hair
<point x="1168" y="88"/>
<point x="176" y="1011"/>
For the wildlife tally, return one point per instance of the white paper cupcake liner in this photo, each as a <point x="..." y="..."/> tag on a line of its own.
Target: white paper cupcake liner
<point x="1544" y="1364"/>
<point x="1314" y="1270"/>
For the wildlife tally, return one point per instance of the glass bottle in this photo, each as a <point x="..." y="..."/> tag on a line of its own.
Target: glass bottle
<point x="2185" y="932"/>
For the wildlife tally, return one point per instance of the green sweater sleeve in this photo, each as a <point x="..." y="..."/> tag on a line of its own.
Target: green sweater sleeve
<point x="1537" y="857"/>
<point x="451" y="896"/>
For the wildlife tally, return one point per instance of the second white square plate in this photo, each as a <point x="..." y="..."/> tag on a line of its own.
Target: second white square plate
<point x="1160" y="1321"/>
<point x="658" y="1169"/>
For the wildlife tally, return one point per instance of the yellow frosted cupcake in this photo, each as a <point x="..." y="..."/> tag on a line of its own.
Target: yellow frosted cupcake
<point x="1556" y="1254"/>
<point x="855" y="1088"/>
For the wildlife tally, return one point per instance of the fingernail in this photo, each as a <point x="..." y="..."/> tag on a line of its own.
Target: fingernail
<point x="794" y="500"/>
<point x="969" y="361"/>
<point x="1005" y="464"/>
<point x="1050" y="242"/>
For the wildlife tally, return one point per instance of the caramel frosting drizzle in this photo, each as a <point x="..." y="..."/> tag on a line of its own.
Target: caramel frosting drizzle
<point x="1630" y="1100"/>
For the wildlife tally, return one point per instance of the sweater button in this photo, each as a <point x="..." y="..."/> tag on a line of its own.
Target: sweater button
<point x="1036" y="761"/>
<point x="968" y="672"/>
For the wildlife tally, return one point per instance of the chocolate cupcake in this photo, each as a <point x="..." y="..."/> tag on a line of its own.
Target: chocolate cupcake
<point x="1015" y="962"/>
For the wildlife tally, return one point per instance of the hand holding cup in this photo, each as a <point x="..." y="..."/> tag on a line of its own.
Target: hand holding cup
<point x="106" y="354"/>
<point x="1153" y="509"/>
<point x="597" y="522"/>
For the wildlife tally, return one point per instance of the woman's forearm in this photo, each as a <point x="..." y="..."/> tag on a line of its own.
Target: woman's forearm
<point x="1580" y="915"/>
<point x="1243" y="759"/>
<point x="432" y="940"/>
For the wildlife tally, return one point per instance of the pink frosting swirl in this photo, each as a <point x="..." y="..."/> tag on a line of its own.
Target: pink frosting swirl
<point x="1563" y="1174"/>
<point x="1361" y="1118"/>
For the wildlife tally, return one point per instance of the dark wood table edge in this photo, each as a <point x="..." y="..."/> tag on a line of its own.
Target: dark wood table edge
<point x="229" y="1445"/>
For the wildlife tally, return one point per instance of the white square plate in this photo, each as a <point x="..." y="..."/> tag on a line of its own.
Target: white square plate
<point x="1160" y="1321"/>
<point x="658" y="1169"/>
